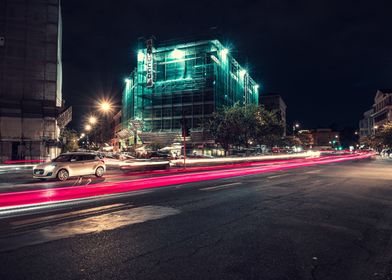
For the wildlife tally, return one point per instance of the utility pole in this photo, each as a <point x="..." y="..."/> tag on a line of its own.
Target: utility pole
<point x="185" y="133"/>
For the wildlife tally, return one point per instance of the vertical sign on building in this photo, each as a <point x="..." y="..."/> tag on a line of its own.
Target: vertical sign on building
<point x="149" y="64"/>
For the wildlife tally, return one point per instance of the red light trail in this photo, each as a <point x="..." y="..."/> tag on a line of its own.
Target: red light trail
<point x="24" y="198"/>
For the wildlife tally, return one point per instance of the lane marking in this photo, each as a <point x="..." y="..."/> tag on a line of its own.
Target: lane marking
<point x="95" y="224"/>
<point x="313" y="171"/>
<point x="277" y="176"/>
<point x="220" y="186"/>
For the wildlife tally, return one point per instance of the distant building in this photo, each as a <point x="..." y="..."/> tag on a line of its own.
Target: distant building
<point x="366" y="125"/>
<point x="325" y="137"/>
<point x="382" y="107"/>
<point x="183" y="81"/>
<point x="274" y="102"/>
<point x="30" y="79"/>
<point x="378" y="115"/>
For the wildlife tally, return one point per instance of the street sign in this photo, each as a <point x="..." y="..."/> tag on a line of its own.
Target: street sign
<point x="65" y="117"/>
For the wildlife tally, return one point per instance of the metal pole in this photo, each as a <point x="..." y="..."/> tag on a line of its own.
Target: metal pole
<point x="184" y="148"/>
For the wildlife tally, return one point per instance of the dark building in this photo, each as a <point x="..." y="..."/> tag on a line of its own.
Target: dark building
<point x="178" y="81"/>
<point x="30" y="79"/>
<point x="326" y="137"/>
<point x="274" y="102"/>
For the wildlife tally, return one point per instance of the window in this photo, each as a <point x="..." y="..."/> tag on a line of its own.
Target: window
<point x="88" y="157"/>
<point x="197" y="109"/>
<point x="166" y="112"/>
<point x="167" y="124"/>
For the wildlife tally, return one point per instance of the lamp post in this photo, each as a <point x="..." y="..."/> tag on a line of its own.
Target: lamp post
<point x="295" y="127"/>
<point x="106" y="107"/>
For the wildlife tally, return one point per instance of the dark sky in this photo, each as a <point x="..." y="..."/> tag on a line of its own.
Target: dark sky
<point x="325" y="58"/>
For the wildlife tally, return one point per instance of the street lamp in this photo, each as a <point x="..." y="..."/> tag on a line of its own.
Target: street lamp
<point x="92" y="120"/>
<point x="82" y="135"/>
<point x="295" y="126"/>
<point x="87" y="127"/>
<point x="105" y="106"/>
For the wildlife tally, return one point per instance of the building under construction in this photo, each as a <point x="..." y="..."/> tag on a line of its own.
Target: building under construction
<point x="184" y="82"/>
<point x="31" y="104"/>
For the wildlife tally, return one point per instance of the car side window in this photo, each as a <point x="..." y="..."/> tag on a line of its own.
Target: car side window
<point x="77" y="158"/>
<point x="88" y="157"/>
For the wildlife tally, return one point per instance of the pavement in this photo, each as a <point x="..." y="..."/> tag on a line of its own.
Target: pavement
<point x="318" y="222"/>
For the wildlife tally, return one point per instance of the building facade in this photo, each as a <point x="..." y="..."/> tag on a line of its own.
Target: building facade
<point x="30" y="78"/>
<point x="274" y="102"/>
<point x="325" y="137"/>
<point x="182" y="83"/>
<point x="378" y="115"/>
<point x="382" y="107"/>
<point x="366" y="125"/>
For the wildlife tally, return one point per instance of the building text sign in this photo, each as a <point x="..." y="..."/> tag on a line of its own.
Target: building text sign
<point x="149" y="64"/>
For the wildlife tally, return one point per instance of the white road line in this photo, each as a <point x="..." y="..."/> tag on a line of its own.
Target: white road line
<point x="277" y="176"/>
<point x="313" y="171"/>
<point x="220" y="186"/>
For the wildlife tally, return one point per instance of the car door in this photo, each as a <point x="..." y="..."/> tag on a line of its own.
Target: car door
<point x="90" y="164"/>
<point x="76" y="165"/>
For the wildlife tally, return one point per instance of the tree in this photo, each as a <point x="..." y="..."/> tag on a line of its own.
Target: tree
<point x="290" y="141"/>
<point x="385" y="134"/>
<point x="306" y="138"/>
<point x="268" y="128"/>
<point x="70" y="140"/>
<point x="242" y="125"/>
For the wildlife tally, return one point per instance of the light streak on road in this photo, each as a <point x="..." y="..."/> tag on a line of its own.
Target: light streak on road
<point x="18" y="199"/>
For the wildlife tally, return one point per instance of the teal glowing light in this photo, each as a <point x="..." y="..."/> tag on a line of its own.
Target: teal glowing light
<point x="242" y="73"/>
<point x="140" y="56"/>
<point x="224" y="52"/>
<point x="177" y="54"/>
<point x="256" y="87"/>
<point x="126" y="80"/>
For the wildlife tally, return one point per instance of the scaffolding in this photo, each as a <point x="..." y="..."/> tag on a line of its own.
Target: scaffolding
<point x="184" y="81"/>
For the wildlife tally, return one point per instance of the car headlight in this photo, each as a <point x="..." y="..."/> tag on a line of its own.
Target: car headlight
<point x="50" y="167"/>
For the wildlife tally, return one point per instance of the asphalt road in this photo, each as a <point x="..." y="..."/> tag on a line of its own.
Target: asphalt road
<point x="321" y="222"/>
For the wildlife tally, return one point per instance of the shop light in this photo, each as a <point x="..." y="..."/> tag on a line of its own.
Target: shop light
<point x="177" y="54"/>
<point x="242" y="73"/>
<point x="140" y="56"/>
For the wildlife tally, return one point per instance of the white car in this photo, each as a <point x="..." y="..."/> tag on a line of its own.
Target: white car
<point x="69" y="165"/>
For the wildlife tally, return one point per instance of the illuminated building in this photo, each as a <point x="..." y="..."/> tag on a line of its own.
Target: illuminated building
<point x="185" y="81"/>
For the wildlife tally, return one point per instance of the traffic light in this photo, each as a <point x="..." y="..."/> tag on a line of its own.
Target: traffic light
<point x="185" y="128"/>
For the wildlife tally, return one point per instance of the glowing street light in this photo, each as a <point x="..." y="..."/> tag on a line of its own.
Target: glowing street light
<point x="88" y="127"/>
<point x="105" y="106"/>
<point x="82" y="135"/>
<point x="92" y="120"/>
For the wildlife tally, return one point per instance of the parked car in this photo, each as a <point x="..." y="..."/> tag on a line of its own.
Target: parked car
<point x="69" y="165"/>
<point x="386" y="153"/>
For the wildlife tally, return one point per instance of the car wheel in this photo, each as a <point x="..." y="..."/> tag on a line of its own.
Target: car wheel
<point x="62" y="175"/>
<point x="99" y="172"/>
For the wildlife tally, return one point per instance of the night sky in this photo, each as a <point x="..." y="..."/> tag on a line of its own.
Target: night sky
<point x="325" y="58"/>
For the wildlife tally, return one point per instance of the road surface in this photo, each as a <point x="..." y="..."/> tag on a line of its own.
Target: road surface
<point x="321" y="222"/>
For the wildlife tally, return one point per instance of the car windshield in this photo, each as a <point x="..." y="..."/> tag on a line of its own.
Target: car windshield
<point x="62" y="158"/>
